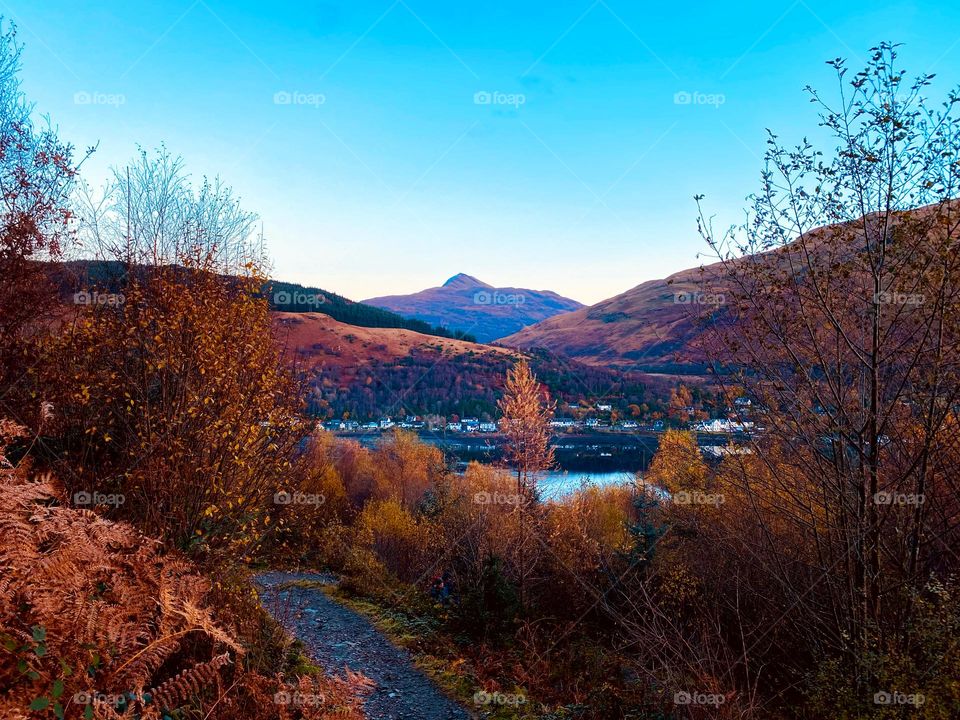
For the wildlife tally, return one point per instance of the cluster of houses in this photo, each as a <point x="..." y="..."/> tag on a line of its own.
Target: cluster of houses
<point x="476" y="425"/>
<point x="718" y="452"/>
<point x="718" y="425"/>
<point x="469" y="425"/>
<point x="409" y="423"/>
<point x="472" y="425"/>
<point x="600" y="423"/>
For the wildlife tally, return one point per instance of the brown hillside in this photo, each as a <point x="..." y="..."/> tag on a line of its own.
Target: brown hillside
<point x="643" y="327"/>
<point x="318" y="340"/>
<point x="646" y="328"/>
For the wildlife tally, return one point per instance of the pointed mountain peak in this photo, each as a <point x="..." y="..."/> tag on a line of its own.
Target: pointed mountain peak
<point x="462" y="280"/>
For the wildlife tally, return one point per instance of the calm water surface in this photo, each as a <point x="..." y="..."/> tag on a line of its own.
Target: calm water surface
<point x="556" y="484"/>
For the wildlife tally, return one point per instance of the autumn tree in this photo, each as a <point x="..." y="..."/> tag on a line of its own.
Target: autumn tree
<point x="681" y="400"/>
<point x="37" y="175"/>
<point x="151" y="214"/>
<point x="526" y="424"/>
<point x="175" y="396"/>
<point x="406" y="468"/>
<point x="677" y="465"/>
<point x="840" y="323"/>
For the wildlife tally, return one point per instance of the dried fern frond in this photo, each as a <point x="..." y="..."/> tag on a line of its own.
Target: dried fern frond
<point x="111" y="615"/>
<point x="92" y="607"/>
<point x="189" y="682"/>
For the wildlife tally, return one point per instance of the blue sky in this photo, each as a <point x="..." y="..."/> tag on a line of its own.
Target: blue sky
<point x="386" y="172"/>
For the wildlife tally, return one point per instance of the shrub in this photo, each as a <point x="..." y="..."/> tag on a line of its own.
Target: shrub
<point x="96" y="621"/>
<point x="177" y="400"/>
<point x="356" y="467"/>
<point x="396" y="538"/>
<point x="92" y="614"/>
<point x="310" y="509"/>
<point x="405" y="468"/>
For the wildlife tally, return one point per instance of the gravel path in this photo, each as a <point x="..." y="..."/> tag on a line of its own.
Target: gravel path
<point x="336" y="636"/>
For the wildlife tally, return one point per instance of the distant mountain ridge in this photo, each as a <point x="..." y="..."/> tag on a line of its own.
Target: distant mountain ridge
<point x="645" y="328"/>
<point x="465" y="303"/>
<point x="651" y="328"/>
<point x="462" y="280"/>
<point x="80" y="275"/>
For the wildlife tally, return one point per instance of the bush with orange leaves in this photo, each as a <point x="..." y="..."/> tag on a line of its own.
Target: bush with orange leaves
<point x="96" y="622"/>
<point x="588" y="535"/>
<point x="176" y="398"/>
<point x="311" y="510"/>
<point x="374" y="521"/>
<point x="457" y="549"/>
<point x="677" y="466"/>
<point x="405" y="468"/>
<point x="355" y="464"/>
<point x="398" y="541"/>
<point x="754" y="570"/>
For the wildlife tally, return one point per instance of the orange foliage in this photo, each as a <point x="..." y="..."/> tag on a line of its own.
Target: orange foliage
<point x="178" y="397"/>
<point x="406" y="468"/>
<point x="398" y="540"/>
<point x="590" y="527"/>
<point x="95" y="619"/>
<point x="677" y="465"/>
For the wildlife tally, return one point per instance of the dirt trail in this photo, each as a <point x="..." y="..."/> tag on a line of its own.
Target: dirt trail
<point x="336" y="636"/>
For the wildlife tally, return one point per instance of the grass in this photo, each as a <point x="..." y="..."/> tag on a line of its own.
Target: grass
<point x="417" y="626"/>
<point x="434" y="653"/>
